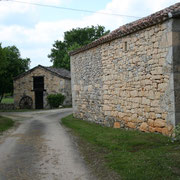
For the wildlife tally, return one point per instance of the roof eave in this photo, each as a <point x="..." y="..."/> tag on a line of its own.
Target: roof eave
<point x="143" y="23"/>
<point x="25" y="73"/>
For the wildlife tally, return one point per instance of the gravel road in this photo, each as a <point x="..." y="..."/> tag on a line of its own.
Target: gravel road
<point x="40" y="149"/>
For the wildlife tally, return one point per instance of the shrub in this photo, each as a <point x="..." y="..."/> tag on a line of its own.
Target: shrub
<point x="55" y="100"/>
<point x="177" y="132"/>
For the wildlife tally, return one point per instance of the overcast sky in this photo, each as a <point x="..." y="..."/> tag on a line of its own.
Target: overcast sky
<point x="33" y="29"/>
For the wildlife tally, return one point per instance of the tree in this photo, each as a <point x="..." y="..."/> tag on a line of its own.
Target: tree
<point x="11" y="65"/>
<point x="73" y="39"/>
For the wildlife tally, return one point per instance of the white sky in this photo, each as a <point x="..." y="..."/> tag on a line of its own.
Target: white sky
<point x="34" y="29"/>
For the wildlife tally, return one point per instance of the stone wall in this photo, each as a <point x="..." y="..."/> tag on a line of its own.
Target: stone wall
<point x="7" y="106"/>
<point x="128" y="82"/>
<point x="52" y="85"/>
<point x="88" y="85"/>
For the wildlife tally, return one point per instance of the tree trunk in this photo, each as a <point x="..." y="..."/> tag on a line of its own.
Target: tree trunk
<point x="1" y="97"/>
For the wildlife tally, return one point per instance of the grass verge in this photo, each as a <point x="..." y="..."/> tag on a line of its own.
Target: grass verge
<point x="7" y="100"/>
<point x="17" y="110"/>
<point x="5" y="123"/>
<point x="132" y="154"/>
<point x="28" y="110"/>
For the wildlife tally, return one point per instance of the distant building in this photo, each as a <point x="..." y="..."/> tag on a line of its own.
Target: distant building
<point x="32" y="87"/>
<point x="131" y="77"/>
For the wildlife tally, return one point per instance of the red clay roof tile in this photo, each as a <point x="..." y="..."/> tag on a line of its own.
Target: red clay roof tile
<point x="129" y="28"/>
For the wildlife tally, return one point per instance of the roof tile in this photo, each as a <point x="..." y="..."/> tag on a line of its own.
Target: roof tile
<point x="129" y="28"/>
<point x="56" y="71"/>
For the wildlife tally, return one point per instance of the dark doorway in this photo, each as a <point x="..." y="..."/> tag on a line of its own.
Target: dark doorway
<point x="38" y="86"/>
<point x="39" y="99"/>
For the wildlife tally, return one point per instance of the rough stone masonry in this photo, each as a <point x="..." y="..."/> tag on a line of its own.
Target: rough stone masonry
<point x="131" y="77"/>
<point x="55" y="81"/>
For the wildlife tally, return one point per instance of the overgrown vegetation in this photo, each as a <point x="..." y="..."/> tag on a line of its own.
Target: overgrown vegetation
<point x="55" y="100"/>
<point x="132" y="154"/>
<point x="5" y="123"/>
<point x="177" y="132"/>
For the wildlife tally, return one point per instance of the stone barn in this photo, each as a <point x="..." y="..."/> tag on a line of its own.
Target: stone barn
<point x="130" y="78"/>
<point x="32" y="87"/>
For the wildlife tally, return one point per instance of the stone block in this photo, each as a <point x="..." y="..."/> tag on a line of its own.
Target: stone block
<point x="121" y="114"/>
<point x="131" y="125"/>
<point x="164" y="115"/>
<point x="151" y="122"/>
<point x="159" y="123"/>
<point x="151" y="94"/>
<point x="126" y="119"/>
<point x="157" y="71"/>
<point x="157" y="95"/>
<point x="147" y="109"/>
<point x="156" y="45"/>
<point x="117" y="125"/>
<point x="151" y="129"/>
<point x="137" y="99"/>
<point x="144" y="127"/>
<point x="169" y="127"/>
<point x="162" y="86"/>
<point x="134" y="116"/>
<point x="134" y="93"/>
<point x="83" y="106"/>
<point x="165" y="131"/>
<point x="147" y="82"/>
<point x="157" y="129"/>
<point x="105" y="87"/>
<point x="154" y="103"/>
<point x="146" y="101"/>
<point x="107" y="108"/>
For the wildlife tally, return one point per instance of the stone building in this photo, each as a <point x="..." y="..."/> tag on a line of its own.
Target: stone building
<point x="32" y="87"/>
<point x="131" y="77"/>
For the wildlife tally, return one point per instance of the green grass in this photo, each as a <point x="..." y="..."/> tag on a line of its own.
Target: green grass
<point x="5" y="123"/>
<point x="26" y="110"/>
<point x="132" y="154"/>
<point x="7" y="100"/>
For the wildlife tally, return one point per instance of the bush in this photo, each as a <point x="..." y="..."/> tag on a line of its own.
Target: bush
<point x="177" y="132"/>
<point x="55" y="100"/>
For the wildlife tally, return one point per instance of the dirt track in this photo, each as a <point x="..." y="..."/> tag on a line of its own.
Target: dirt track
<point x="40" y="149"/>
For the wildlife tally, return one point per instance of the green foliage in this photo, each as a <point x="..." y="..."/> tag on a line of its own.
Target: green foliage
<point x="7" y="100"/>
<point x="11" y="65"/>
<point x="73" y="39"/>
<point x="177" y="132"/>
<point x="5" y="123"/>
<point x="55" y="100"/>
<point x="132" y="154"/>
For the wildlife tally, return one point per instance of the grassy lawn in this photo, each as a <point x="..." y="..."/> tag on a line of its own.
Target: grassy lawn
<point x="5" y="123"/>
<point x="26" y="110"/>
<point x="132" y="154"/>
<point x="7" y="100"/>
<point x="17" y="110"/>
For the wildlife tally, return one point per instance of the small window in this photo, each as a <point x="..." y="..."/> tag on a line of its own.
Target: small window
<point x="61" y="84"/>
<point x="125" y="46"/>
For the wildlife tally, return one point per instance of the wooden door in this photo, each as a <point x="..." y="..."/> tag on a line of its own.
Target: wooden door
<point x="39" y="99"/>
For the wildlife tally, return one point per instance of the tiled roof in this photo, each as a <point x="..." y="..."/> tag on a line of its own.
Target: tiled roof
<point x="156" y="18"/>
<point x="60" y="71"/>
<point x="56" y="71"/>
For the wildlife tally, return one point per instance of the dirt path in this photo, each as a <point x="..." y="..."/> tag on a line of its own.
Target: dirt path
<point x="40" y="149"/>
